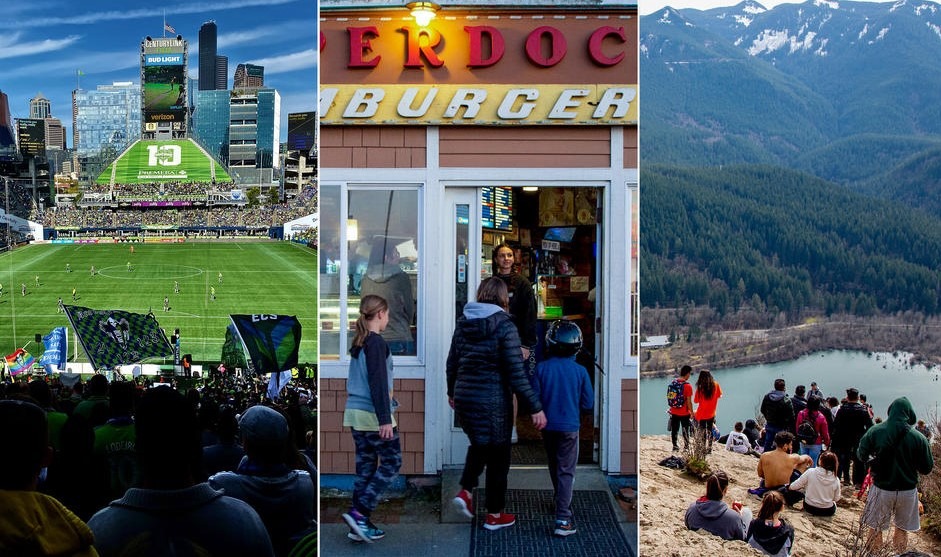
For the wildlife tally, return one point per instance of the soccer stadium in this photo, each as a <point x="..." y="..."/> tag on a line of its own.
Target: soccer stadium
<point x="164" y="231"/>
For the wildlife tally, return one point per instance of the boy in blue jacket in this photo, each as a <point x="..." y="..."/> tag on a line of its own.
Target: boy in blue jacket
<point x="565" y="390"/>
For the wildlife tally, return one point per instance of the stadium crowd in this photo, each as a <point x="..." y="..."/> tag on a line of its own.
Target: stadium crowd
<point x="216" y="468"/>
<point x="258" y="217"/>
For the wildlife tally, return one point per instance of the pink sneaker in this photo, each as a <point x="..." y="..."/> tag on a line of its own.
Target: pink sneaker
<point x="464" y="502"/>
<point x="502" y="520"/>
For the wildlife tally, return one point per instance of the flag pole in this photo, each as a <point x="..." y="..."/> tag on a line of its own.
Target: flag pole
<point x="164" y="23"/>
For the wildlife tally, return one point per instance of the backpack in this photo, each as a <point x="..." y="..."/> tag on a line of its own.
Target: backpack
<point x="676" y="396"/>
<point x="806" y="431"/>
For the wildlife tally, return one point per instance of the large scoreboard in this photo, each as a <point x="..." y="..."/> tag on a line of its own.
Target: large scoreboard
<point x="302" y="129"/>
<point x="163" y="84"/>
<point x="31" y="136"/>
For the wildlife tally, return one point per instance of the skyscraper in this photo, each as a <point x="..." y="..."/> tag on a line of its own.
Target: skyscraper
<point x="207" y="56"/>
<point x="7" y="139"/>
<point x="254" y="133"/>
<point x="40" y="107"/>
<point x="222" y="72"/>
<point x="105" y="121"/>
<point x="249" y="75"/>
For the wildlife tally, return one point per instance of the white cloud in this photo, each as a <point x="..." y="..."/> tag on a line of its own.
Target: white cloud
<point x="288" y="62"/>
<point x="103" y="62"/>
<point x="10" y="48"/>
<point x="122" y="15"/>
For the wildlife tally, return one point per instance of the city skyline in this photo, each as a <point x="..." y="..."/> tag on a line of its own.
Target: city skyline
<point x="47" y="44"/>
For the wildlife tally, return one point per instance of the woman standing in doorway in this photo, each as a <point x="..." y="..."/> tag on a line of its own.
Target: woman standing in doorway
<point x="707" y="399"/>
<point x="485" y="369"/>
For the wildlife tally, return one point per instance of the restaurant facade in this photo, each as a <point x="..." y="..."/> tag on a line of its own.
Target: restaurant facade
<point x="489" y="124"/>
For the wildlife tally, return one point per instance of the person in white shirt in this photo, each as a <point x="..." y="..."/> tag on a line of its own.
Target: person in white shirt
<point x="737" y="441"/>
<point x="821" y="486"/>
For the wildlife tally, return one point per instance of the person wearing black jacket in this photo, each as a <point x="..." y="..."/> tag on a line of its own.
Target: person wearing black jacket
<point x="778" y="412"/>
<point x="851" y="422"/>
<point x="484" y="370"/>
<point x="522" y="299"/>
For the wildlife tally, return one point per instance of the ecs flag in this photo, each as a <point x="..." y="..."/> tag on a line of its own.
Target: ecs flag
<point x="271" y="341"/>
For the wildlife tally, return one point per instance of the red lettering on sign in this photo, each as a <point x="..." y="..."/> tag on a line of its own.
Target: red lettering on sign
<point x="557" y="46"/>
<point x="416" y="49"/>
<point x="477" y="34"/>
<point x="596" y="40"/>
<point x="360" y="46"/>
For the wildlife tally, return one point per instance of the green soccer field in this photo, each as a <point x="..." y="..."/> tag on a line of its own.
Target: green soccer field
<point x="155" y="161"/>
<point x="258" y="278"/>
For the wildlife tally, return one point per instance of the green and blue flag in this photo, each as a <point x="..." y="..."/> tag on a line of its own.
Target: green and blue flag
<point x="271" y="341"/>
<point x="113" y="337"/>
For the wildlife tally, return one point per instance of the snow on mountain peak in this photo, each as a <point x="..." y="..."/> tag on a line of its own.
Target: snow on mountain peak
<point x="832" y="4"/>
<point x="753" y="8"/>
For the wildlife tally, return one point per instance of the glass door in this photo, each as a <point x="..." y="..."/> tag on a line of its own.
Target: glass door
<point x="464" y="241"/>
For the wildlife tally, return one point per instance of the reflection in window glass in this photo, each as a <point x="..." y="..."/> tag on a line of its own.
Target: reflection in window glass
<point x="330" y="324"/>
<point x="374" y="250"/>
<point x="382" y="248"/>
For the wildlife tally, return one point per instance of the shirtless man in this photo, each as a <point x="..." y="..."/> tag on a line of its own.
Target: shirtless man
<point x="779" y="467"/>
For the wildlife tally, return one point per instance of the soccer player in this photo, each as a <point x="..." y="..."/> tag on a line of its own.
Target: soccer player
<point x="37" y="280"/>
<point x="92" y="270"/>
<point x="1" y="289"/>
<point x="68" y="267"/>
<point x="176" y="287"/>
<point x="166" y="303"/>
<point x="132" y="250"/>
<point x="60" y="308"/>
<point x="23" y="288"/>
<point x="220" y="277"/>
<point x="73" y="294"/>
<point x="212" y="292"/>
<point x="129" y="266"/>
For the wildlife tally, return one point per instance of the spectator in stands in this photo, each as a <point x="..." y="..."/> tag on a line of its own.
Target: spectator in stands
<point x="39" y="391"/>
<point x="171" y="513"/>
<point x="32" y="523"/>
<point x="115" y="441"/>
<point x="97" y="391"/>
<point x="283" y="497"/>
<point x="227" y="453"/>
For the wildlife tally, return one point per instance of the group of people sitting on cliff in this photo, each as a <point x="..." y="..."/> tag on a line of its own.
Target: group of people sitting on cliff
<point x="809" y="447"/>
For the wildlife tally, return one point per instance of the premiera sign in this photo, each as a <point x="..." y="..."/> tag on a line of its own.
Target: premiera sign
<point x="482" y="104"/>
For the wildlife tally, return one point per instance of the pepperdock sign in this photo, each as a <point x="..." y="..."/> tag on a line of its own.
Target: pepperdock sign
<point x="478" y="68"/>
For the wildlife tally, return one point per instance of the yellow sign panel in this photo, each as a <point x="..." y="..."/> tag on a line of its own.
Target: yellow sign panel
<point x="489" y="104"/>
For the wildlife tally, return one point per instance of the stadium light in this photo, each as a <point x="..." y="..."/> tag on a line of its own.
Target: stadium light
<point x="423" y="11"/>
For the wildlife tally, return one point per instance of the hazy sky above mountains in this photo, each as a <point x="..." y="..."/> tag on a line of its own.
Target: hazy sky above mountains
<point x="649" y="6"/>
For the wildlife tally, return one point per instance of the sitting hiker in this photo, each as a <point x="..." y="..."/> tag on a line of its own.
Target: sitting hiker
<point x="769" y="533"/>
<point x="711" y="514"/>
<point x="33" y="523"/>
<point x="821" y="486"/>
<point x="779" y="467"/>
<point x="738" y="442"/>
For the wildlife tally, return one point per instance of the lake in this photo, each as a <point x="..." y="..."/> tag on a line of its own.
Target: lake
<point x="882" y="377"/>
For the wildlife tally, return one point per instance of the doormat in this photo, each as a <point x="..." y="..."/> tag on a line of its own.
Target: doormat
<point x="598" y="531"/>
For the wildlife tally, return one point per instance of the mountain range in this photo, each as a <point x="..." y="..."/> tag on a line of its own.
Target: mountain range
<point x="848" y="93"/>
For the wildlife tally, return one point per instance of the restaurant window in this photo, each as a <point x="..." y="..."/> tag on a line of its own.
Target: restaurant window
<point x="373" y="250"/>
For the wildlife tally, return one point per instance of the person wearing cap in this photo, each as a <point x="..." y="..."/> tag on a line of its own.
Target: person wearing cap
<point x="814" y="391"/>
<point x="33" y="520"/>
<point x="850" y="424"/>
<point x="283" y="497"/>
<point x="170" y="513"/>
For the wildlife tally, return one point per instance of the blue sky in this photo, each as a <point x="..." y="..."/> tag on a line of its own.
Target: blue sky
<point x="43" y="43"/>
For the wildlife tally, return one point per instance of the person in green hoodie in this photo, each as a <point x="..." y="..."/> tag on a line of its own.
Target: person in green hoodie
<point x="899" y="455"/>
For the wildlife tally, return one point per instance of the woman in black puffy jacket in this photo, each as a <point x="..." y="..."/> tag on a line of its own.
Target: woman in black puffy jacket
<point x="485" y="369"/>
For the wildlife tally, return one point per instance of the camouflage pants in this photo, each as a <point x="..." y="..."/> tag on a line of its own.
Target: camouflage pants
<point x="377" y="464"/>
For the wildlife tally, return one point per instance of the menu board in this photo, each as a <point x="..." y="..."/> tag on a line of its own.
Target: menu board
<point x="497" y="208"/>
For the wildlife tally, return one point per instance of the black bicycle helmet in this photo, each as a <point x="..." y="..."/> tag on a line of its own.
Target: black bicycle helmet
<point x="563" y="338"/>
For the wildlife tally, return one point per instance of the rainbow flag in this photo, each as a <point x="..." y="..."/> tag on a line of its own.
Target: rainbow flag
<point x="19" y="361"/>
